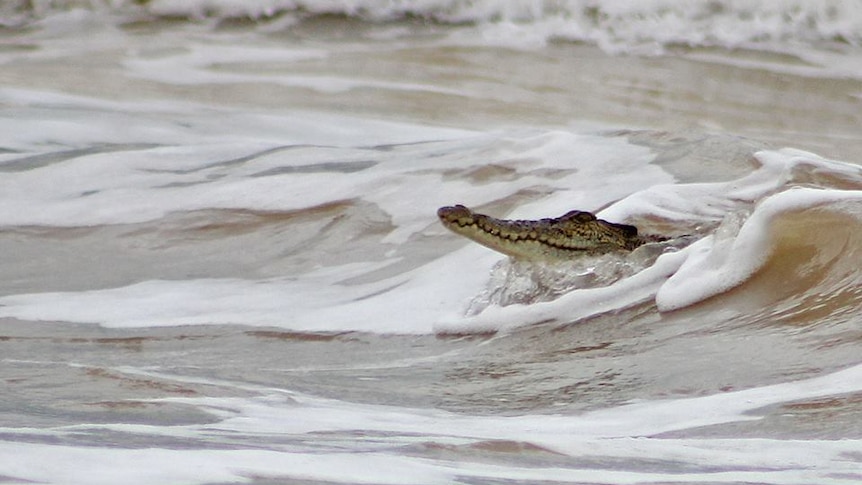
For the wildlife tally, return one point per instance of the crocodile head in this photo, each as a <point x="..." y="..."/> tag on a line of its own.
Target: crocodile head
<point x="574" y="234"/>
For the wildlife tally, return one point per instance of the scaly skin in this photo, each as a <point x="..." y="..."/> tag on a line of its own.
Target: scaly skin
<point x="574" y="234"/>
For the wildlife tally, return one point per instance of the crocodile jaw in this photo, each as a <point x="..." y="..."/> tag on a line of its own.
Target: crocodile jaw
<point x="567" y="237"/>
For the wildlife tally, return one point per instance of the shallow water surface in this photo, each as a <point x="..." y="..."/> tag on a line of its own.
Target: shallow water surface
<point x="221" y="261"/>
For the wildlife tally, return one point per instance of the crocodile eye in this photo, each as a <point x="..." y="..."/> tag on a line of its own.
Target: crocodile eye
<point x="627" y="230"/>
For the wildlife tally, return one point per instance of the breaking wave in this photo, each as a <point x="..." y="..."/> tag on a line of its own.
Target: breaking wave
<point x="788" y="250"/>
<point x="798" y="250"/>
<point x="613" y="25"/>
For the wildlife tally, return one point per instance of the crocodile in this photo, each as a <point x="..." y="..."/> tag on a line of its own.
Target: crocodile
<point x="574" y="234"/>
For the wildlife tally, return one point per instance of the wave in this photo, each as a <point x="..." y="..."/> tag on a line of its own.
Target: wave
<point x="797" y="245"/>
<point x="613" y="25"/>
<point x="792" y="219"/>
<point x="795" y="257"/>
<point x="783" y="246"/>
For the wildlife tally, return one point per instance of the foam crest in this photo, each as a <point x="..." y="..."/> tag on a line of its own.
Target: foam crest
<point x="735" y="253"/>
<point x="570" y="307"/>
<point x="347" y="286"/>
<point x="645" y="26"/>
<point x="409" y="445"/>
<point x="316" y="301"/>
<point x="394" y="292"/>
<point x="740" y="211"/>
<point x="310" y="414"/>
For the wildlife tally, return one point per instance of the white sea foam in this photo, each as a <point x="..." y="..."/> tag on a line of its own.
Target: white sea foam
<point x="366" y="443"/>
<point x="786" y="463"/>
<point x="44" y="121"/>
<point x="712" y="265"/>
<point x="313" y="302"/>
<point x="193" y="176"/>
<point x="726" y="260"/>
<point x="301" y="414"/>
<point x="72" y="161"/>
<point x="93" y="466"/>
<point x="575" y="305"/>
<point x="225" y="62"/>
<point x="432" y="297"/>
<point x="217" y="165"/>
<point x="615" y="25"/>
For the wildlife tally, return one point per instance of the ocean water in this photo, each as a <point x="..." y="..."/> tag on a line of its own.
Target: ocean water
<point x="221" y="261"/>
